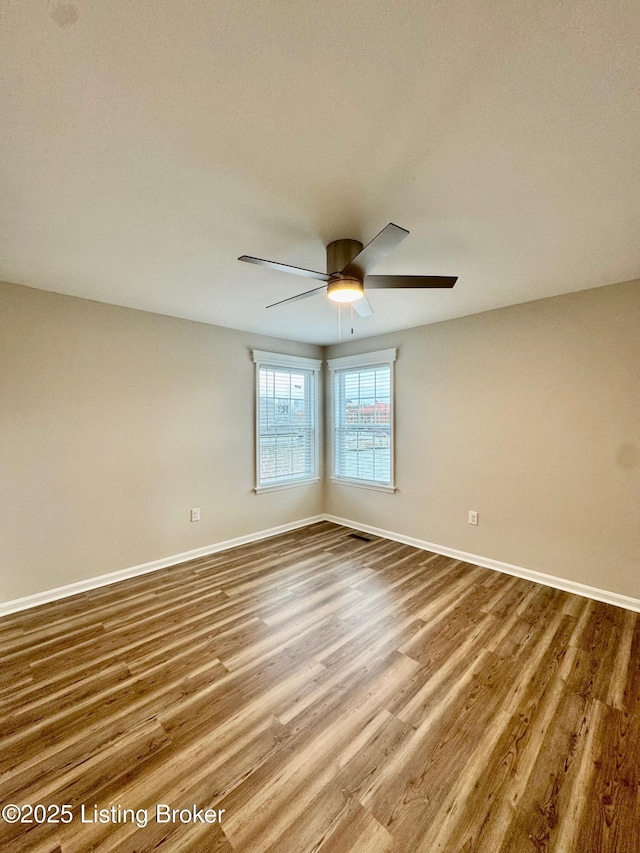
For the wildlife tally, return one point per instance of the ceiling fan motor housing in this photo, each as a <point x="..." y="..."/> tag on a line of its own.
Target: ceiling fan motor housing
<point x="340" y="253"/>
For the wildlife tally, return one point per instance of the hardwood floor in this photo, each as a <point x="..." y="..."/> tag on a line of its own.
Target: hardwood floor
<point x="329" y="694"/>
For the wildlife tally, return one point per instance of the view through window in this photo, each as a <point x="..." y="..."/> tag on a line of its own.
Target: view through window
<point x="286" y="424"/>
<point x="363" y="421"/>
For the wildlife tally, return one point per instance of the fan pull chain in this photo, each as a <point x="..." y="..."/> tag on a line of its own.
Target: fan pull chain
<point x="339" y="323"/>
<point x="351" y="317"/>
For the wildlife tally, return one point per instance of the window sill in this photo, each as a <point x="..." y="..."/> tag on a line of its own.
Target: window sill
<point x="363" y="484"/>
<point x="292" y="484"/>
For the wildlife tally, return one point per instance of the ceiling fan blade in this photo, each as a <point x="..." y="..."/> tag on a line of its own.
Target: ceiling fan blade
<point x="299" y="296"/>
<point x="397" y="281"/>
<point x="366" y="259"/>
<point x="322" y="276"/>
<point x="363" y="307"/>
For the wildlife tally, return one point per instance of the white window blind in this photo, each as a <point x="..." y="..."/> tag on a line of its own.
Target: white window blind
<point x="286" y="428"/>
<point x="363" y="418"/>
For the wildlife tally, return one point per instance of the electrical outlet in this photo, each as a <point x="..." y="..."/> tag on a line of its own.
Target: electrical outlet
<point x="473" y="516"/>
<point x="195" y="514"/>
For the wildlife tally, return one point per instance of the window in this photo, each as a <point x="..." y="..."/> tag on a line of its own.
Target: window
<point x="363" y="419"/>
<point x="286" y="420"/>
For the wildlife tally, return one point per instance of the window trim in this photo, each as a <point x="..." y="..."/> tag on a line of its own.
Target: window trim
<point x="262" y="358"/>
<point x="362" y="360"/>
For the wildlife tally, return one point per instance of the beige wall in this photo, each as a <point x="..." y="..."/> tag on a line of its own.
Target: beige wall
<point x="529" y="415"/>
<point x="113" y="424"/>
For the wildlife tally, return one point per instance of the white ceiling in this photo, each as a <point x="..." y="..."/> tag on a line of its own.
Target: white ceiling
<point x="146" y="145"/>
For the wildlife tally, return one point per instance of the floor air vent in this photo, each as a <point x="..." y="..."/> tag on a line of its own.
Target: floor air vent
<point x="360" y="536"/>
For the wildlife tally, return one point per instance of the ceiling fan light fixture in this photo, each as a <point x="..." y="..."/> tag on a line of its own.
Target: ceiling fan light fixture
<point x="349" y="265"/>
<point x="345" y="290"/>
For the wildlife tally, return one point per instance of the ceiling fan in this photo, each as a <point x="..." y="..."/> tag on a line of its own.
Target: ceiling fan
<point x="348" y="268"/>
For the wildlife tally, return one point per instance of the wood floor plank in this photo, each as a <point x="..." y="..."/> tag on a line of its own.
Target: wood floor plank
<point x="325" y="692"/>
<point x="610" y="813"/>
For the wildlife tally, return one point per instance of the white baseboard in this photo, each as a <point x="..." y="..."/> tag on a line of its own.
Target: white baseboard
<point x="143" y="569"/>
<point x="574" y="587"/>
